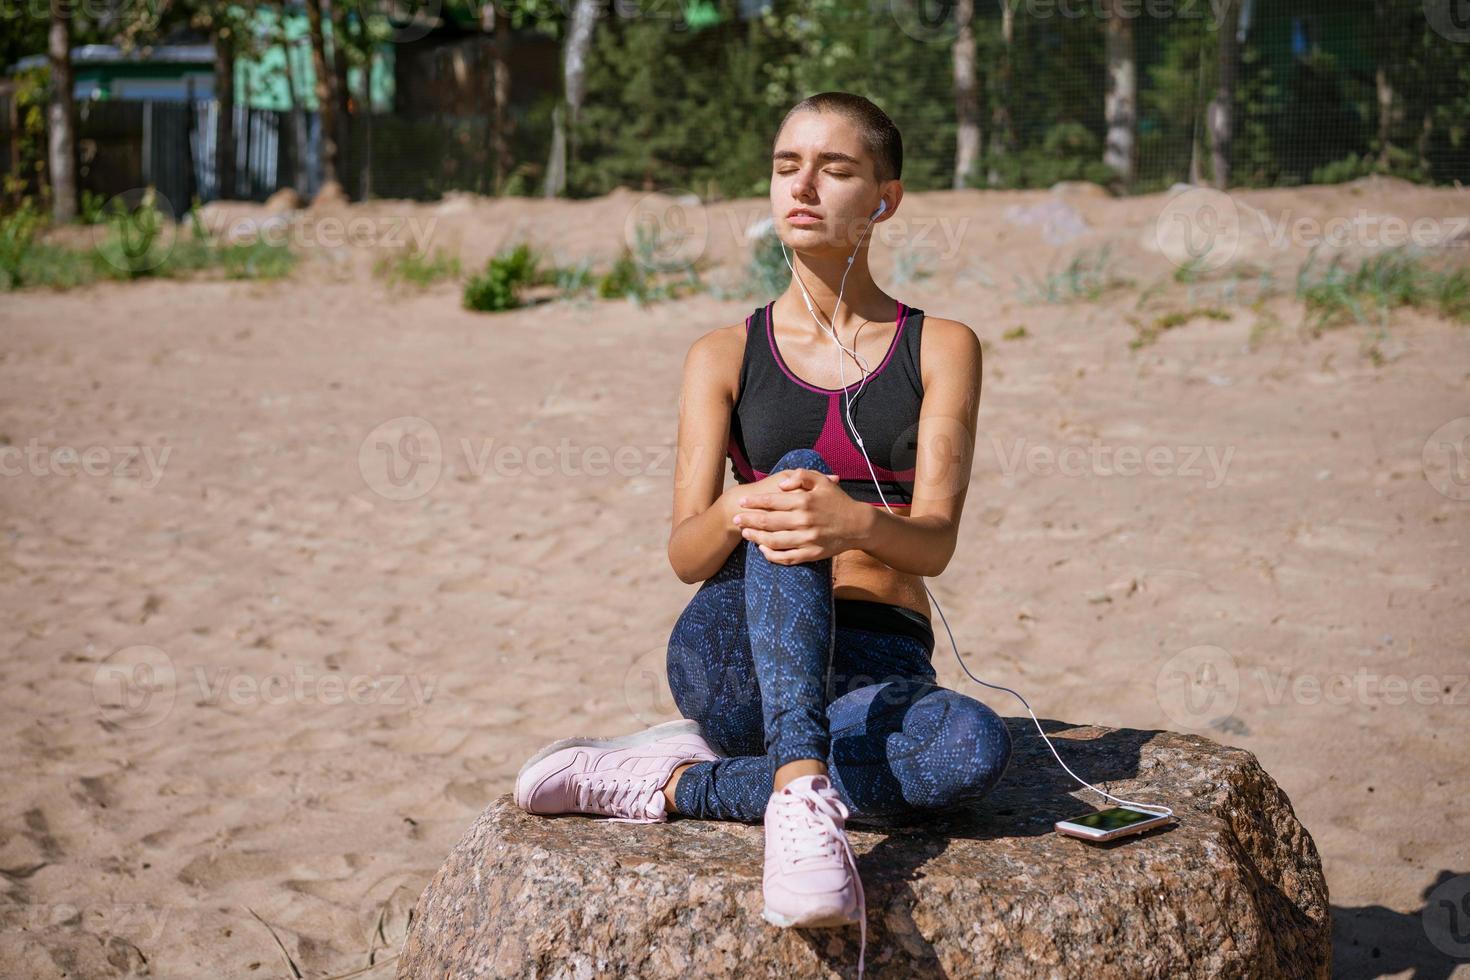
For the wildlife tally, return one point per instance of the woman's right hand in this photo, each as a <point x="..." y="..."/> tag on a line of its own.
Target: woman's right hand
<point x="730" y="499"/>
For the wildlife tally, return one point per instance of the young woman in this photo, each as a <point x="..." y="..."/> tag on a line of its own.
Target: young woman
<point x="803" y="663"/>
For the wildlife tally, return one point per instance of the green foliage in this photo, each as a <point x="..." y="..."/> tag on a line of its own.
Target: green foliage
<point x="574" y="280"/>
<point x="625" y="278"/>
<point x="1149" y="332"/>
<point x="642" y="273"/>
<point x="766" y="273"/>
<point x="29" y="143"/>
<point x="662" y="112"/>
<point x="911" y="266"/>
<point x="1085" y="277"/>
<point x="673" y="108"/>
<point x="132" y="243"/>
<point x="1069" y="151"/>
<point x="1368" y="292"/>
<point x="412" y="267"/>
<point x="505" y="276"/>
<point x="138" y="241"/>
<point x="256" y="259"/>
<point x="17" y="235"/>
<point x="90" y="207"/>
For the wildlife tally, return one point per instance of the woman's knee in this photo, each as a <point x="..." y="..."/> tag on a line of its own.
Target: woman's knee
<point x="980" y="735"/>
<point x="802" y="459"/>
<point x="967" y="751"/>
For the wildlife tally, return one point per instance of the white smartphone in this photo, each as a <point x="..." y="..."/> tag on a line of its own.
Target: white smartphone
<point x="1118" y="821"/>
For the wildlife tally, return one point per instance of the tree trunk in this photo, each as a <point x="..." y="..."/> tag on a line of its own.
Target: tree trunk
<point x="326" y="98"/>
<point x="498" y="23"/>
<point x="1426" y="130"/>
<point x="966" y="97"/>
<point x="339" y="80"/>
<point x="564" y="135"/>
<point x="298" y="113"/>
<point x="61" y="117"/>
<point x="1002" y="134"/>
<point x="1222" y="109"/>
<point x="361" y="42"/>
<point x="1120" y="104"/>
<point x="224" y="130"/>
<point x="1387" y="109"/>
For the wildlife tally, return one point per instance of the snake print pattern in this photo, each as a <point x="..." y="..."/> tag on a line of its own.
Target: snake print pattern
<point x="757" y="659"/>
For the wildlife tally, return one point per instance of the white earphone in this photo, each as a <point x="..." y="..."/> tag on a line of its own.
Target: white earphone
<point x="848" y="399"/>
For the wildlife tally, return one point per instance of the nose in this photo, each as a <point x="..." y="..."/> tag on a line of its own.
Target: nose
<point x="802" y="185"/>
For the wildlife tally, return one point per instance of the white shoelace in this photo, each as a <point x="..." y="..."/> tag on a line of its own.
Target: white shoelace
<point x="627" y="796"/>
<point x="821" y="809"/>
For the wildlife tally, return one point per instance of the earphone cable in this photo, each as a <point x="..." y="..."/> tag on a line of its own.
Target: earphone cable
<point x="848" y="399"/>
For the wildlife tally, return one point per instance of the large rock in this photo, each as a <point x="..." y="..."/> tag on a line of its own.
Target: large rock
<point x="1233" y="889"/>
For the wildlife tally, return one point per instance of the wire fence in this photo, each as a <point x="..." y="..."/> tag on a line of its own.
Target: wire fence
<point x="1319" y="90"/>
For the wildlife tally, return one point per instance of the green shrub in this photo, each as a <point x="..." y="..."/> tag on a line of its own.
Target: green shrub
<point x="626" y="279"/>
<point x="17" y="233"/>
<point x="134" y="244"/>
<point x="138" y="241"/>
<point x="91" y="208"/>
<point x="1148" y="333"/>
<point x="500" y="285"/>
<point x="766" y="273"/>
<point x="1069" y="151"/>
<point x="1340" y="293"/>
<point x="574" y="280"/>
<point x="414" y="268"/>
<point x="255" y="260"/>
<point x="1086" y="277"/>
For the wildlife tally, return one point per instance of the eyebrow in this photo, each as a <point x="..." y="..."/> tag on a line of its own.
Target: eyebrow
<point x="824" y="156"/>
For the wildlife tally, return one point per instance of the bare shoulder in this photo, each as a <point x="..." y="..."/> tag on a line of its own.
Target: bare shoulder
<point x="948" y="345"/>
<point x="715" y="356"/>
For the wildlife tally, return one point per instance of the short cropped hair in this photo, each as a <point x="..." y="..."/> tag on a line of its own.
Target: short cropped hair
<point x="877" y="131"/>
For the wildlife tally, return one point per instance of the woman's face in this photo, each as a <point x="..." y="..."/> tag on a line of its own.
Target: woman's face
<point x="821" y="165"/>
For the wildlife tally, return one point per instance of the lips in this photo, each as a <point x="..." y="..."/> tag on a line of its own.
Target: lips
<point x="802" y="216"/>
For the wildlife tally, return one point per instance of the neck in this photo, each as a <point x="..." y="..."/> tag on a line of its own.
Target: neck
<point x="862" y="299"/>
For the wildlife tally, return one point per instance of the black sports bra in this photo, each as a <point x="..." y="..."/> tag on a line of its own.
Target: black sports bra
<point x="775" y="412"/>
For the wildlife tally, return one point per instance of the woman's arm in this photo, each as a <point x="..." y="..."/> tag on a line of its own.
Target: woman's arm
<point x="702" y="534"/>
<point x="819" y="521"/>
<point x="924" y="542"/>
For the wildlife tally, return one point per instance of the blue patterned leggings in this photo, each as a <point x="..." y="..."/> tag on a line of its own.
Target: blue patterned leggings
<point x="758" y="660"/>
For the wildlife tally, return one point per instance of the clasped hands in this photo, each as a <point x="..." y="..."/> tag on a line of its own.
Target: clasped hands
<point x="798" y="515"/>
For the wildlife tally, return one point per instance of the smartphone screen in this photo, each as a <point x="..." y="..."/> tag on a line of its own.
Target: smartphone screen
<point x="1113" y="818"/>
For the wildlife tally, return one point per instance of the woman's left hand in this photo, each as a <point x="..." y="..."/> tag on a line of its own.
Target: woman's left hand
<point x="809" y="518"/>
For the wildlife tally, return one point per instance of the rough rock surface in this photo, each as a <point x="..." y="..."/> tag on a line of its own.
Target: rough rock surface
<point x="1234" y="888"/>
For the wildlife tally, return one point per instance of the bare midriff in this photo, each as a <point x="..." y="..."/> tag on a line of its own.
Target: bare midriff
<point x="858" y="575"/>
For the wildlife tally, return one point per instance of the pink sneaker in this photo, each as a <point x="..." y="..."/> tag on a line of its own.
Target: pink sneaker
<point x="619" y="777"/>
<point x="811" y="874"/>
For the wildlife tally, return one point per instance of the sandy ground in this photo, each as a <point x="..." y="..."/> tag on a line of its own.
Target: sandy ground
<point x="268" y="647"/>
